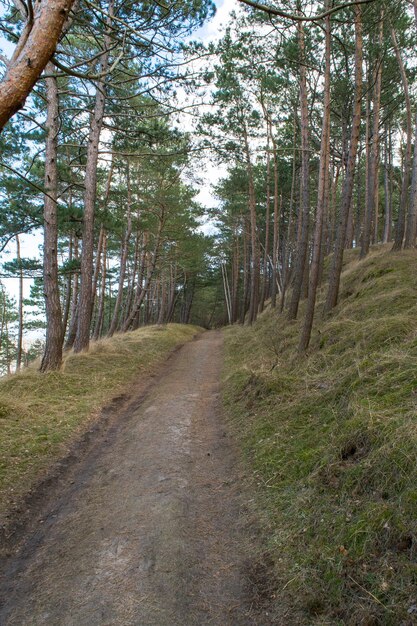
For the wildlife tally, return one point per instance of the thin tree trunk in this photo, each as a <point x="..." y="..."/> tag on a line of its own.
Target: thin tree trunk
<point x="286" y="250"/>
<point x="387" y="191"/>
<point x="302" y="241"/>
<point x="371" y="209"/>
<point x="123" y="257"/>
<point x="267" y="219"/>
<point x="321" y="196"/>
<point x="72" y="330"/>
<point x="85" y="310"/>
<point x="19" y="350"/>
<point x="52" y="358"/>
<point x="275" y="243"/>
<point x="68" y="291"/>
<point x="255" y="265"/>
<point x="150" y="271"/>
<point x="102" y="298"/>
<point x="400" y="227"/>
<point x="410" y="234"/>
<point x="347" y="190"/>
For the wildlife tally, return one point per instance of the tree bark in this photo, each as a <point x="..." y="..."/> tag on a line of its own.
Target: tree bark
<point x="123" y="257"/>
<point x="85" y="309"/>
<point x="387" y="188"/>
<point x="265" y="272"/>
<point x="102" y="297"/>
<point x="255" y="264"/>
<point x="347" y="190"/>
<point x="373" y="168"/>
<point x="302" y="240"/>
<point x="34" y="49"/>
<point x="52" y="358"/>
<point x="400" y="227"/>
<point x="19" y="351"/>
<point x="321" y="196"/>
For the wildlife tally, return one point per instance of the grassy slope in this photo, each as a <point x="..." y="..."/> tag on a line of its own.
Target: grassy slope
<point x="41" y="414"/>
<point x="331" y="441"/>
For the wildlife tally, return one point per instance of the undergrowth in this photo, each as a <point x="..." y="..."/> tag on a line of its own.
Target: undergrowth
<point x="42" y="414"/>
<point x="331" y="441"/>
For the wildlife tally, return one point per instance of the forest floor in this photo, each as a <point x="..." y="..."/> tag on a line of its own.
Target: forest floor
<point x="151" y="526"/>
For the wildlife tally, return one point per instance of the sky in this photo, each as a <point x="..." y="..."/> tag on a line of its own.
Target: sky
<point x="211" y="31"/>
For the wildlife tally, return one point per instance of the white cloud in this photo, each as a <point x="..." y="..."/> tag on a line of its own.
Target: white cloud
<point x="212" y="30"/>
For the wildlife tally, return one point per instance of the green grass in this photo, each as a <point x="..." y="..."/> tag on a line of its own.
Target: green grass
<point x="331" y="443"/>
<point x="42" y="414"/>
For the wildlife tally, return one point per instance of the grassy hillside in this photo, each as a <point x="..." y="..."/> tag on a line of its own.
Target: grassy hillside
<point x="42" y="414"/>
<point x="331" y="443"/>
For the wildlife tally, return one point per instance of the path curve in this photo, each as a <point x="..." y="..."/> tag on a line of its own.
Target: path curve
<point x="151" y="531"/>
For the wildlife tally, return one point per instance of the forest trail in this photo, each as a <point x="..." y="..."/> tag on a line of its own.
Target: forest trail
<point x="151" y="532"/>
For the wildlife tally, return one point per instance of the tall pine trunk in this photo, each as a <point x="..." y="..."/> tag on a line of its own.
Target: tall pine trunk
<point x="321" y="197"/>
<point x="302" y="239"/>
<point x="82" y="339"/>
<point x="347" y="189"/>
<point x="52" y="357"/>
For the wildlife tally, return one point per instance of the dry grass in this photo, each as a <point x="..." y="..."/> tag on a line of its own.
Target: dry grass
<point x="331" y="440"/>
<point x="41" y="414"/>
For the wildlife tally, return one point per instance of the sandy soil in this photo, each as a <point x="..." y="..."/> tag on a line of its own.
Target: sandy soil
<point x="151" y="529"/>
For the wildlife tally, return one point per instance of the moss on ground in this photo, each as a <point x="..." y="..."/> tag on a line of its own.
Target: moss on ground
<point x="331" y="442"/>
<point x="42" y="414"/>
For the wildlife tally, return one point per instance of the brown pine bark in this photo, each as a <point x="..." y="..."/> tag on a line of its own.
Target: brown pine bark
<point x="52" y="358"/>
<point x="302" y="239"/>
<point x="347" y="189"/>
<point x="321" y="196"/>
<point x="133" y="318"/>
<point x="68" y="291"/>
<point x="34" y="49"/>
<point x="123" y="257"/>
<point x="410" y="233"/>
<point x="275" y="239"/>
<point x="19" y="351"/>
<point x="371" y="208"/>
<point x="255" y="260"/>
<point x="72" y="329"/>
<point x="265" y="265"/>
<point x="102" y="297"/>
<point x="402" y="210"/>
<point x="84" y="307"/>
<point x="387" y="187"/>
<point x="290" y="238"/>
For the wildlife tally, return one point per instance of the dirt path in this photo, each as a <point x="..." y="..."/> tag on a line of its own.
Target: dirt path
<point x="150" y="532"/>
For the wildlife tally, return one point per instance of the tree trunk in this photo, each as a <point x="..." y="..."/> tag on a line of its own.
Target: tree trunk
<point x="123" y="257"/>
<point x="302" y="240"/>
<point x="387" y="188"/>
<point x="400" y="228"/>
<point x="52" y="358"/>
<point x="321" y="196"/>
<point x="19" y="351"/>
<point x="255" y="265"/>
<point x="143" y="289"/>
<point x="410" y="232"/>
<point x="34" y="49"/>
<point x="347" y="190"/>
<point x="371" y="209"/>
<point x="275" y="241"/>
<point x="84" y="308"/>
<point x="102" y="298"/>
<point x="68" y="292"/>
<point x="72" y="330"/>
<point x="267" y="219"/>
